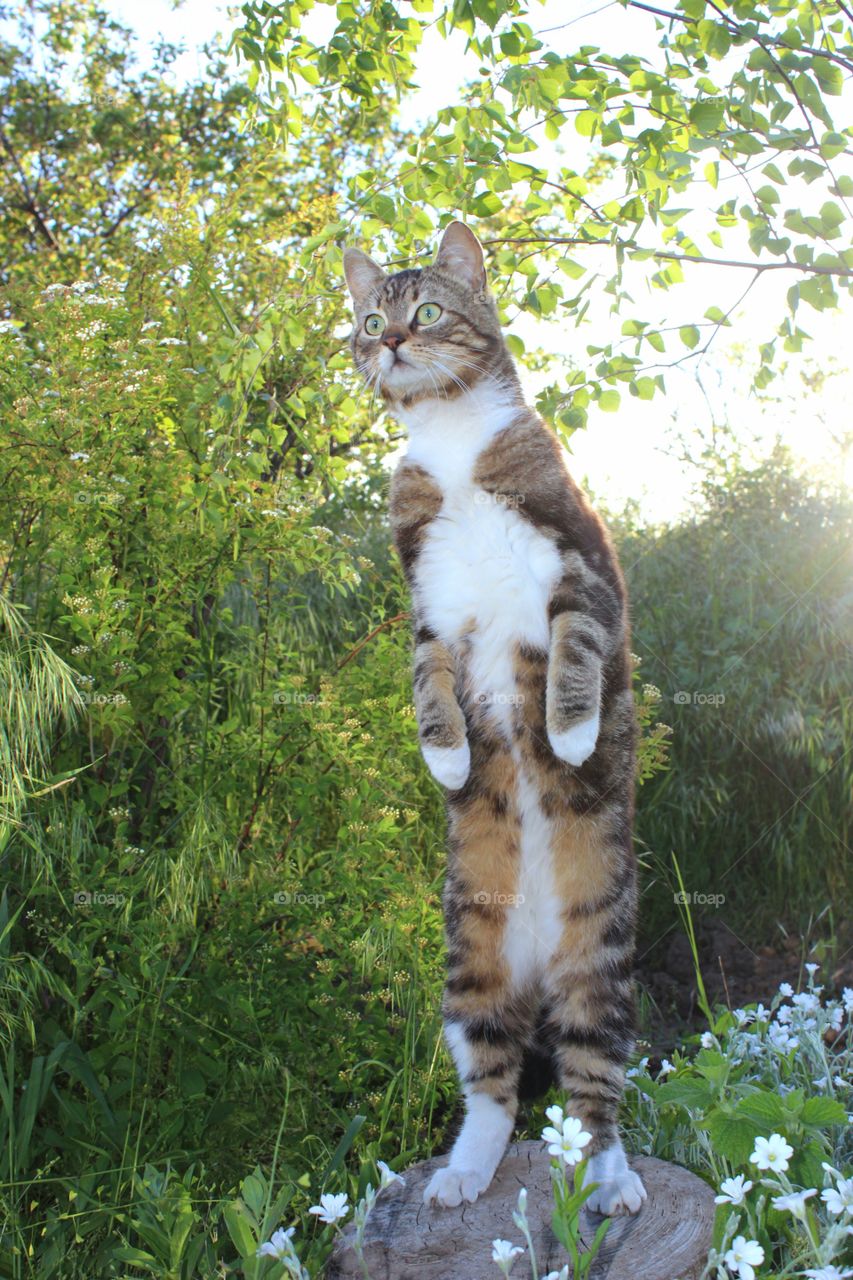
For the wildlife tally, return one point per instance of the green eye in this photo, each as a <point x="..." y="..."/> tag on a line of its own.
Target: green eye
<point x="374" y="325"/>
<point x="428" y="313"/>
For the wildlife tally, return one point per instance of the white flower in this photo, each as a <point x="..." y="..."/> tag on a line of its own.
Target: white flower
<point x="780" y="1039"/>
<point x="762" y="1014"/>
<point x="811" y="969"/>
<point x="387" y="1176"/>
<point x="839" y="1199"/>
<point x="795" y="1202"/>
<point x="839" y="1082"/>
<point x="786" y="990"/>
<point x="772" y="1153"/>
<point x="638" y="1070"/>
<point x="556" y="1115"/>
<point x="504" y="1252"/>
<point x="836" y="1017"/>
<point x="847" y="999"/>
<point x="744" y="1017"/>
<point x="806" y="1001"/>
<point x="79" y="457"/>
<point x="569" y="1142"/>
<point x="332" y="1208"/>
<point x="558" y="1275"/>
<point x="784" y="1015"/>
<point x="278" y="1246"/>
<point x="743" y="1257"/>
<point x="733" y="1190"/>
<point x="665" y="1068"/>
<point x="828" y="1272"/>
<point x="171" y="342"/>
<point x="707" y="1040"/>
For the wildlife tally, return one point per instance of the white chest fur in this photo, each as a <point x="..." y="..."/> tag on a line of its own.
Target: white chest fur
<point x="484" y="571"/>
<point x="487" y="573"/>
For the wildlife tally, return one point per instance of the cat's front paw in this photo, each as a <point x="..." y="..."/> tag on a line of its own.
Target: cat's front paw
<point x="449" y="765"/>
<point x="449" y="1187"/>
<point x="578" y="743"/>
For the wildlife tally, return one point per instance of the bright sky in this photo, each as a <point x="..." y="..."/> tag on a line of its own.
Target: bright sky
<point x="630" y="454"/>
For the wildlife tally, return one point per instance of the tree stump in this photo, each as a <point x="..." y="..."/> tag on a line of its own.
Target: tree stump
<point x="668" y="1239"/>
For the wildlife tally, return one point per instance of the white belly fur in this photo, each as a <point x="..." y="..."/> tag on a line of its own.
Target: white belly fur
<point x="483" y="563"/>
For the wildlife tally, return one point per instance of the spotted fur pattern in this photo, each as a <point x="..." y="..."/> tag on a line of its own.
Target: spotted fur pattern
<point x="525" y="715"/>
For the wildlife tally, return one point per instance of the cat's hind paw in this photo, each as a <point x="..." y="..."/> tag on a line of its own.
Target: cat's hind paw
<point x="449" y="765"/>
<point x="578" y="743"/>
<point x="448" y="1187"/>
<point x="618" y="1190"/>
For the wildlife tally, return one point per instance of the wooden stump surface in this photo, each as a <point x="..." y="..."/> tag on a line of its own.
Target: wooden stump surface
<point x="406" y="1240"/>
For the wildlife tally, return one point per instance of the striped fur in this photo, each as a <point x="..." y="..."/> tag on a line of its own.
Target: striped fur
<point x="525" y="715"/>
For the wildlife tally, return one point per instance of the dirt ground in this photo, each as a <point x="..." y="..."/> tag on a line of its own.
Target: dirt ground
<point x="734" y="975"/>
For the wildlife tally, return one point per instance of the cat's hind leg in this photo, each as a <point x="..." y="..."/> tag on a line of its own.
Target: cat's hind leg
<point x="487" y="1050"/>
<point x="591" y="998"/>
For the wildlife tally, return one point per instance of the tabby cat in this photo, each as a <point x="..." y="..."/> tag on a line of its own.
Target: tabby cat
<point x="522" y="689"/>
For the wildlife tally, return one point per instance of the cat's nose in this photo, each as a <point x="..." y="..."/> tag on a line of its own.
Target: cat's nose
<point x="393" y="339"/>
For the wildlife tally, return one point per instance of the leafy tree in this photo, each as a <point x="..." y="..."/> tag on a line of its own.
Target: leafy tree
<point x="738" y="91"/>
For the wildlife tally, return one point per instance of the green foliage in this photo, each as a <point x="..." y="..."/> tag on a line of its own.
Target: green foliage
<point x="742" y="617"/>
<point x="735" y="93"/>
<point x="220" y="931"/>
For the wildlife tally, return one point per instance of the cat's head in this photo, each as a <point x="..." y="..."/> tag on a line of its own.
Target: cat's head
<point x="431" y="332"/>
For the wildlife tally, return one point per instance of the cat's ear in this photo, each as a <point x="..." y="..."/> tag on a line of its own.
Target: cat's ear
<point x="364" y="277"/>
<point x="461" y="254"/>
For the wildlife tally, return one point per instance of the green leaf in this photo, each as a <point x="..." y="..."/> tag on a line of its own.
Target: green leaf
<point x="822" y="1112"/>
<point x="733" y="1137"/>
<point x="609" y="401"/>
<point x="692" y="1094"/>
<point x="240" y="1229"/>
<point x="765" y="1109"/>
<point x="689" y="335"/>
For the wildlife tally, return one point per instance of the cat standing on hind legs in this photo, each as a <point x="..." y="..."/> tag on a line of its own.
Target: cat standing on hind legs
<point x="522" y="689"/>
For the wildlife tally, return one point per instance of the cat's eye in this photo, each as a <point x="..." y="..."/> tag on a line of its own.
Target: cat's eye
<point x="374" y="325"/>
<point x="428" y="313"/>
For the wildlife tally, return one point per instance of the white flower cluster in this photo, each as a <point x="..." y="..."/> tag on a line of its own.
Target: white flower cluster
<point x="332" y="1209"/>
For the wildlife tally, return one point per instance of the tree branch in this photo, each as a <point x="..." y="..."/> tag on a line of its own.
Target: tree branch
<point x="30" y="206"/>
<point x="785" y="265"/>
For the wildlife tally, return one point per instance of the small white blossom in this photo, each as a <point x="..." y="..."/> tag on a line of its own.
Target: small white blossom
<point x="556" y="1115"/>
<point x="665" y="1068"/>
<point x="331" y="1208"/>
<point x="811" y="969"/>
<point x="569" y="1142"/>
<point x="806" y="1001"/>
<point x="847" y="999"/>
<point x="387" y="1176"/>
<point x="786" y="990"/>
<point x="504" y="1253"/>
<point x="733" y="1190"/>
<point x="772" y="1153"/>
<point x="795" y="1202"/>
<point x="829" y="1272"/>
<point x="558" y="1275"/>
<point x="780" y="1039"/>
<point x="278" y="1246"/>
<point x="743" y="1257"/>
<point x="839" y="1199"/>
<point x="743" y="1016"/>
<point x="707" y="1040"/>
